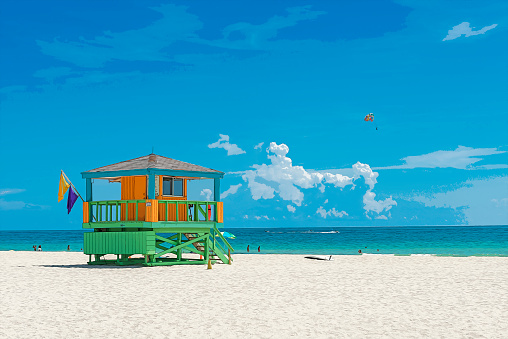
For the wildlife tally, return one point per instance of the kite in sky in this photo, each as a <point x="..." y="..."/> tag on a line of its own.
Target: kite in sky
<point x="370" y="117"/>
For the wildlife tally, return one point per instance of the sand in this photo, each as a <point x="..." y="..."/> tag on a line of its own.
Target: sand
<point x="56" y="295"/>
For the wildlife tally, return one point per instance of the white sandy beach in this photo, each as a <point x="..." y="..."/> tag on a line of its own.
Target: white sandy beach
<point x="56" y="295"/>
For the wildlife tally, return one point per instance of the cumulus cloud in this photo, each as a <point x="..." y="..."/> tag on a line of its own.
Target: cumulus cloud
<point x="207" y="193"/>
<point x="282" y="174"/>
<point x="223" y="142"/>
<point x="258" y="146"/>
<point x="324" y="213"/>
<point x="231" y="190"/>
<point x="461" y="158"/>
<point x="257" y="190"/>
<point x="466" y="30"/>
<point x="291" y="208"/>
<point x="381" y="217"/>
<point x="5" y="191"/>
<point x="281" y="177"/>
<point x="378" y="206"/>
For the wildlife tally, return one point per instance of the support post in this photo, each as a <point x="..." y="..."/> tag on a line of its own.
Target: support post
<point x="216" y="195"/>
<point x="207" y="249"/>
<point x="179" y="251"/>
<point x="88" y="189"/>
<point x="151" y="187"/>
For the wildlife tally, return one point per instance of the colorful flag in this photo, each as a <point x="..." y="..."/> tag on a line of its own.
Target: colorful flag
<point x="71" y="199"/>
<point x="63" y="187"/>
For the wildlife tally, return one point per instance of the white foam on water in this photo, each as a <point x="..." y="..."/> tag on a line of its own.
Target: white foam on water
<point x="385" y="254"/>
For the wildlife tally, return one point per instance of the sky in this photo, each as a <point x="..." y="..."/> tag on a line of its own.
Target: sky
<point x="274" y="94"/>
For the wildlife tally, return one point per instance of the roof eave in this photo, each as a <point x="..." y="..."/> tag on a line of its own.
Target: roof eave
<point x="156" y="171"/>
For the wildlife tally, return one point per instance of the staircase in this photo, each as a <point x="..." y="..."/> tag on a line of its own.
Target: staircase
<point x="200" y="246"/>
<point x="213" y="255"/>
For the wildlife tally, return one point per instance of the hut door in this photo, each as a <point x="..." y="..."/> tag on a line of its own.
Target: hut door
<point x="134" y="188"/>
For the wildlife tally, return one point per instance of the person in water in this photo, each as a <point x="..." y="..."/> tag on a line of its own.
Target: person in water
<point x="247" y="248"/>
<point x="68" y="247"/>
<point x="40" y="248"/>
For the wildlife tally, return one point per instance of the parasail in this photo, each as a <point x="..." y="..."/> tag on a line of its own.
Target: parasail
<point x="369" y="117"/>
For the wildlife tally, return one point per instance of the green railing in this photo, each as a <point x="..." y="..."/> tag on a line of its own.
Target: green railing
<point x="194" y="210"/>
<point x="218" y="234"/>
<point x="115" y="210"/>
<point x="164" y="210"/>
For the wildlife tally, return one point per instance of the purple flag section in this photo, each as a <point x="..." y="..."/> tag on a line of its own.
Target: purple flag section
<point x="71" y="199"/>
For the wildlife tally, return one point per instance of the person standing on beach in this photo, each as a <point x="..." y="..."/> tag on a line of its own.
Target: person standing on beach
<point x="247" y="248"/>
<point x="68" y="247"/>
<point x="35" y="247"/>
<point x="40" y="248"/>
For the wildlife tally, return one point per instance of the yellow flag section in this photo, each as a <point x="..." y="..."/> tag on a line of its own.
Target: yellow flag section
<point x="63" y="187"/>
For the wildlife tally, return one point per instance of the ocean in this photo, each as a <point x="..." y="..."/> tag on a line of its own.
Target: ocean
<point x="405" y="240"/>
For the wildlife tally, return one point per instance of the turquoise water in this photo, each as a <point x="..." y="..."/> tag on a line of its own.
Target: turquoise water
<point x="438" y="240"/>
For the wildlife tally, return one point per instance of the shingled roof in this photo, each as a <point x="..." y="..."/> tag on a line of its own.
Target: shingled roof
<point x="153" y="161"/>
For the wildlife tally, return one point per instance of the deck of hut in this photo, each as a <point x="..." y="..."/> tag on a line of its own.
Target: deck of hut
<point x="154" y="220"/>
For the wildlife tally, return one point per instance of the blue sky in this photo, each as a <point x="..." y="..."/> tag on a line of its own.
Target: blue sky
<point x="273" y="94"/>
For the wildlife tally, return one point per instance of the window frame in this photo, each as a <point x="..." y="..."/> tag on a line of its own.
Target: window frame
<point x="172" y="179"/>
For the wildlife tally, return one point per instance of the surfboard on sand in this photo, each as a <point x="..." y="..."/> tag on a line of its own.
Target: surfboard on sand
<point x="319" y="257"/>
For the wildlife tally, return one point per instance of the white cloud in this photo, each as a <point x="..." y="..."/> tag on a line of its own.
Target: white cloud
<point x="324" y="213"/>
<point x="246" y="216"/>
<point x="326" y="201"/>
<point x="223" y="142"/>
<point x="258" y="146"/>
<point x="501" y="202"/>
<point x="461" y="158"/>
<point x="476" y="199"/>
<point x="18" y="205"/>
<point x="286" y="180"/>
<point x="364" y="170"/>
<point x="466" y="30"/>
<point x="257" y="190"/>
<point x="231" y="190"/>
<point x="291" y="208"/>
<point x="261" y="217"/>
<point x="5" y="191"/>
<point x="244" y="35"/>
<point x="207" y="193"/>
<point x="382" y="217"/>
<point x="145" y="44"/>
<point x="378" y="206"/>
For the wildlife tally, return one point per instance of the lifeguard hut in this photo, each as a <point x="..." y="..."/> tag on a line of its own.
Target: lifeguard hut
<point x="154" y="223"/>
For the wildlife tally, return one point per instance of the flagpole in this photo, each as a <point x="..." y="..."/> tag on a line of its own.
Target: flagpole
<point x="70" y="182"/>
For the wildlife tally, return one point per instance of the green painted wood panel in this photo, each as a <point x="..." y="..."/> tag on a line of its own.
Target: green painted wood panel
<point x="119" y="243"/>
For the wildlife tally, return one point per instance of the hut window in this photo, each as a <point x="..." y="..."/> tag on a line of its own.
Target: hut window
<point x="167" y="186"/>
<point x="172" y="187"/>
<point x="178" y="187"/>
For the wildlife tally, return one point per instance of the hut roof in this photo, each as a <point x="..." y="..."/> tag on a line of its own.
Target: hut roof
<point x="154" y="162"/>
